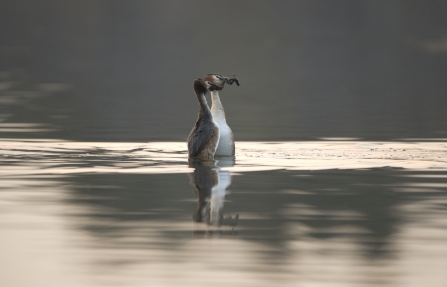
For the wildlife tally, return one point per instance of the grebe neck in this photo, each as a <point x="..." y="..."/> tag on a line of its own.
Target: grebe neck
<point x="204" y="109"/>
<point x="200" y="92"/>
<point x="217" y="109"/>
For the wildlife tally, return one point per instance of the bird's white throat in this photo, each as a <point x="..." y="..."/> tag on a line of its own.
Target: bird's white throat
<point x="226" y="141"/>
<point x="217" y="109"/>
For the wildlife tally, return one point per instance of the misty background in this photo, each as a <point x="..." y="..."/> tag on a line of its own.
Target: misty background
<point x="123" y="70"/>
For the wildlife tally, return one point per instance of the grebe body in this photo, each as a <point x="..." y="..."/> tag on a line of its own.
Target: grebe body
<point x="204" y="137"/>
<point x="226" y="145"/>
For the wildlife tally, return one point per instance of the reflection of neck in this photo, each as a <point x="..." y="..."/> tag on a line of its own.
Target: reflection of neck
<point x="217" y="108"/>
<point x="218" y="193"/>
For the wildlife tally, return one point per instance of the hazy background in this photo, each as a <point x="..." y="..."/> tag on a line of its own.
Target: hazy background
<point x="123" y="70"/>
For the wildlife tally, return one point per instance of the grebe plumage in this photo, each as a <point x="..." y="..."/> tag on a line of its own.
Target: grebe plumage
<point x="226" y="145"/>
<point x="204" y="137"/>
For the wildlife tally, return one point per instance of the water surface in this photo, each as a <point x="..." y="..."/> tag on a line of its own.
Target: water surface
<point x="323" y="213"/>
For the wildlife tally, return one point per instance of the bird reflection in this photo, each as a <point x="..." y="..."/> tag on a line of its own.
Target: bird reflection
<point x="211" y="183"/>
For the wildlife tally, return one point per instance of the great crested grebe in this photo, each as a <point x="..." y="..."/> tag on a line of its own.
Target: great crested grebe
<point x="204" y="137"/>
<point x="226" y="141"/>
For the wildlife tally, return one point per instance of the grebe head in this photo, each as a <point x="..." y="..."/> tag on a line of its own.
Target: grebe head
<point x="201" y="86"/>
<point x="219" y="80"/>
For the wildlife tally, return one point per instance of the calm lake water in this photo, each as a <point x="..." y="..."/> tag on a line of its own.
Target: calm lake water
<point x="290" y="213"/>
<point x="340" y="176"/>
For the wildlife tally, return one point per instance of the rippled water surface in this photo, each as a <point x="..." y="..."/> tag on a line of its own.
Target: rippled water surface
<point x="295" y="214"/>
